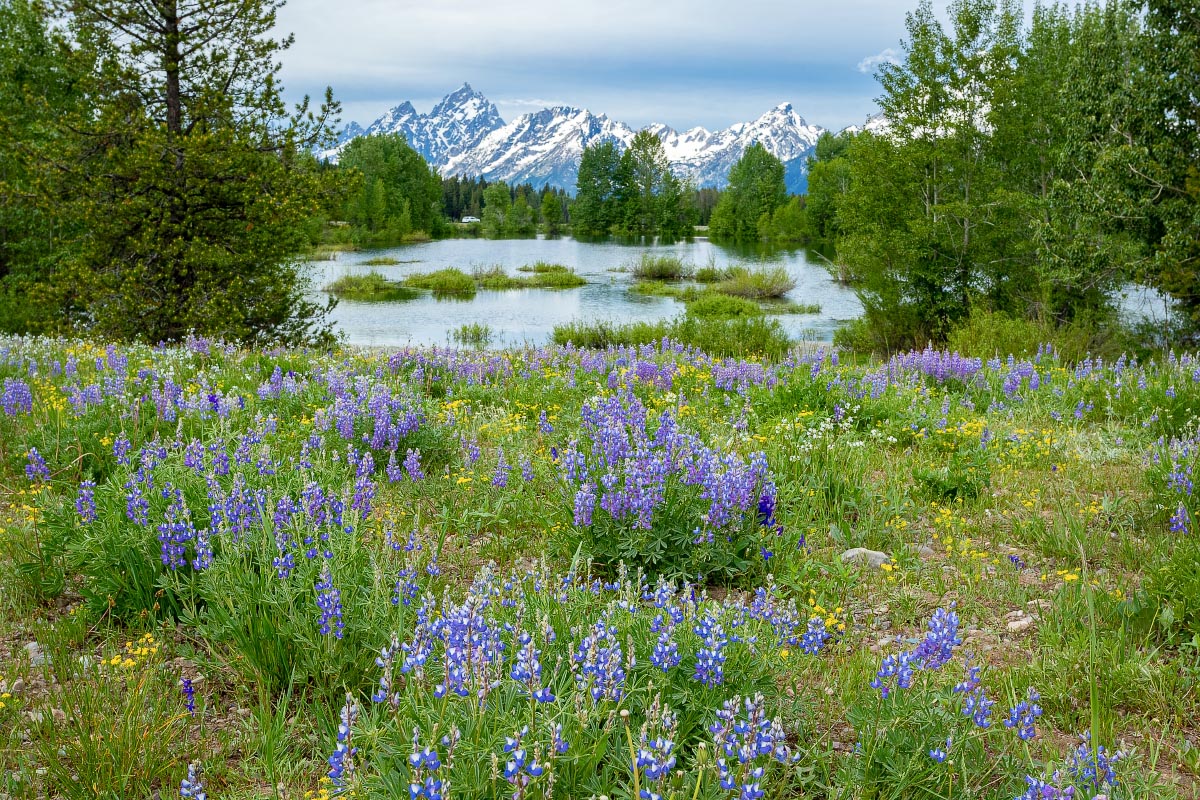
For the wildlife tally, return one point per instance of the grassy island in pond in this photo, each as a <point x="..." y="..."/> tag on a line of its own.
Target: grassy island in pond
<point x="939" y="575"/>
<point x="369" y="287"/>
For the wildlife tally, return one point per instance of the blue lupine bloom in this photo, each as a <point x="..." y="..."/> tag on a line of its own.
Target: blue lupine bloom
<point x="815" y="637"/>
<point x="1180" y="520"/>
<point x="192" y="787"/>
<point x="1094" y="766"/>
<point x="16" y="398"/>
<point x="1043" y="790"/>
<point x="978" y="707"/>
<point x="600" y="663"/>
<point x="329" y="601"/>
<point x="666" y="651"/>
<point x="189" y="695"/>
<point x="939" y="754"/>
<point x="1023" y="716"/>
<point x="424" y="767"/>
<point x="85" y="503"/>
<point x="500" y="478"/>
<point x="36" y="469"/>
<point x="710" y="657"/>
<point x="341" y="761"/>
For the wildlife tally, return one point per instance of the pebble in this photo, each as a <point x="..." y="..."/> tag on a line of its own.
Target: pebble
<point x="18" y="686"/>
<point x="925" y="552"/>
<point x="36" y="657"/>
<point x="1020" y="624"/>
<point x="874" y="558"/>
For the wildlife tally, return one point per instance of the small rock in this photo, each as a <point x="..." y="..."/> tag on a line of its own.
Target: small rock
<point x="36" y="657"/>
<point x="1018" y="625"/>
<point x="925" y="552"/>
<point x="18" y="686"/>
<point x="1018" y="614"/>
<point x="59" y="715"/>
<point x="874" y="558"/>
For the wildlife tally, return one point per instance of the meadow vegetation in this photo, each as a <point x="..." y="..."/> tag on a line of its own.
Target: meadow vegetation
<point x="567" y="572"/>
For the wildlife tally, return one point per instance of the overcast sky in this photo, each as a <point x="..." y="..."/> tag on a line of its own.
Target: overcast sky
<point x="699" y="62"/>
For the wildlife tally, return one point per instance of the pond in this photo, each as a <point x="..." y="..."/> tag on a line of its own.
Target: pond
<point x="527" y="316"/>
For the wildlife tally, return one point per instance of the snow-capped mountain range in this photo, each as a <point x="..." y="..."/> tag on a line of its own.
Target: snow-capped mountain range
<point x="464" y="135"/>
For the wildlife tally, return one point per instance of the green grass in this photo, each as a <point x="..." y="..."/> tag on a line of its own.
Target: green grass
<point x="382" y="261"/>
<point x="726" y="337"/>
<point x="756" y="284"/>
<point x="371" y="287"/>
<point x="723" y="306"/>
<point x="448" y="281"/>
<point x="660" y="268"/>
<point x="542" y="267"/>
<point x="472" y="334"/>
<point x="496" y="278"/>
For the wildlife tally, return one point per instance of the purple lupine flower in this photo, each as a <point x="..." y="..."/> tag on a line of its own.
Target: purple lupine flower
<point x="85" y="502"/>
<point x="600" y="663"/>
<point x="121" y="450"/>
<point x="500" y="478"/>
<point x="412" y="465"/>
<point x="978" y="707"/>
<point x="16" y="398"/>
<point x="176" y="530"/>
<point x="1094" y="766"/>
<point x="424" y="768"/>
<point x="815" y="637"/>
<point x="36" y="470"/>
<point x="710" y="657"/>
<point x="341" y="761"/>
<point x="544" y="423"/>
<point x="1180" y="520"/>
<point x="526" y="469"/>
<point x="939" y="754"/>
<point x="189" y="695"/>
<point x="329" y="601"/>
<point x="1023" y="716"/>
<point x="192" y="787"/>
<point x="1043" y="790"/>
<point x="745" y="737"/>
<point x="585" y="505"/>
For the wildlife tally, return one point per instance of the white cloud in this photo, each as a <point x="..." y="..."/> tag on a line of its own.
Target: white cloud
<point x="869" y="64"/>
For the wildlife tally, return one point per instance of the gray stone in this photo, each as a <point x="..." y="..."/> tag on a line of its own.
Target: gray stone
<point x="874" y="558"/>
<point x="36" y="657"/>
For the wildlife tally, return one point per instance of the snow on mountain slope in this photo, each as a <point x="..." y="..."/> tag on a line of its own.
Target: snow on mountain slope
<point x="464" y="135"/>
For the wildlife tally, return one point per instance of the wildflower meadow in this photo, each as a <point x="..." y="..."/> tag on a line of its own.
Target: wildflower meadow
<point x="626" y="573"/>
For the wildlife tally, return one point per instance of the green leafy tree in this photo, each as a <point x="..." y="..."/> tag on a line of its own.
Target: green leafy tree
<point x="191" y="181"/>
<point x="39" y="85"/>
<point x="497" y="202"/>
<point x="645" y="185"/>
<point x="397" y="191"/>
<point x="756" y="188"/>
<point x="552" y="214"/>
<point x="594" y="210"/>
<point x="519" y="221"/>
<point x="828" y="182"/>
<point x="1171" y="145"/>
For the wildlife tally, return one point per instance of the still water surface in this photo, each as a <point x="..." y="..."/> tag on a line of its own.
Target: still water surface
<point x="527" y="316"/>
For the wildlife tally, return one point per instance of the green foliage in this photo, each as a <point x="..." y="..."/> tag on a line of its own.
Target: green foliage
<point x="723" y="306"/>
<point x="1001" y="335"/>
<point x="397" y="196"/>
<point x="552" y="215"/>
<point x="369" y="287"/>
<point x="180" y="187"/>
<point x="756" y="189"/>
<point x="633" y="192"/>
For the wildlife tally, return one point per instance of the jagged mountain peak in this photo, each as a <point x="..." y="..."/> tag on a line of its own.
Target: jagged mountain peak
<point x="464" y="135"/>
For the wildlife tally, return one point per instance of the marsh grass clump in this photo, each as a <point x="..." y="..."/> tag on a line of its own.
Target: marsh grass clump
<point x="711" y="274"/>
<point x="495" y="278"/>
<point x="449" y="281"/>
<point x="756" y="284"/>
<point x="661" y="268"/>
<point x="382" y="261"/>
<point x="473" y="334"/>
<point x="723" y="306"/>
<point x="542" y="267"/>
<point x="724" y="337"/>
<point x="371" y="287"/>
